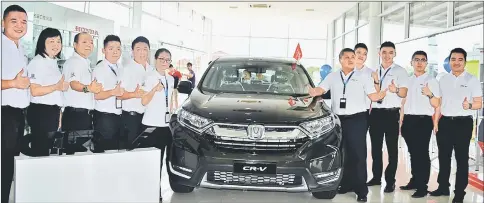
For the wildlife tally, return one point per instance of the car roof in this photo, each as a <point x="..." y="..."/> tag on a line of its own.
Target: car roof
<point x="248" y="59"/>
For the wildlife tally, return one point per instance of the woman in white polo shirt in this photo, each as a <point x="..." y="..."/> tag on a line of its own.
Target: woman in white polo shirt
<point x="159" y="87"/>
<point x="47" y="85"/>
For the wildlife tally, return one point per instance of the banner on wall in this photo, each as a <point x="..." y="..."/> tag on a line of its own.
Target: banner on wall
<point x="472" y="67"/>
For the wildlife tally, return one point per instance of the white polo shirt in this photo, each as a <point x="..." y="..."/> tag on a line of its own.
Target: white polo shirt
<point x="134" y="74"/>
<point x="77" y="68"/>
<point x="455" y="89"/>
<point x="108" y="75"/>
<point x="13" y="61"/>
<point x="416" y="103"/>
<point x="45" y="72"/>
<point x="155" y="111"/>
<point x="400" y="76"/>
<point x="358" y="87"/>
<point x="368" y="71"/>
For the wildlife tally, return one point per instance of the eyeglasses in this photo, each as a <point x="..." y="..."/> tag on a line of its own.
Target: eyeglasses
<point x="419" y="60"/>
<point x="164" y="60"/>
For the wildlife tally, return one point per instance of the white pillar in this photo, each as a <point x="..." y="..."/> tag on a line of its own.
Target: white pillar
<point x="330" y="44"/>
<point x="137" y="13"/>
<point x="375" y="35"/>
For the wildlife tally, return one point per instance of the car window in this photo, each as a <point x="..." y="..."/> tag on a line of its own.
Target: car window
<point x="259" y="77"/>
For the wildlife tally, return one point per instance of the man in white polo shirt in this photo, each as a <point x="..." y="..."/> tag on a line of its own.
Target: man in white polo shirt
<point x="107" y="114"/>
<point x="461" y="96"/>
<point x="385" y="117"/>
<point x="418" y="107"/>
<point x="133" y="79"/>
<point x="15" y="95"/>
<point x="349" y="91"/>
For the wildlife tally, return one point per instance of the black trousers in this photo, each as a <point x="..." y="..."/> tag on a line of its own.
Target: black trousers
<point x="417" y="130"/>
<point x="108" y="128"/>
<point x="132" y="128"/>
<point x="354" y="142"/>
<point x="454" y="134"/>
<point x="75" y="119"/>
<point x="42" y="119"/>
<point x="13" y="124"/>
<point x="384" y="123"/>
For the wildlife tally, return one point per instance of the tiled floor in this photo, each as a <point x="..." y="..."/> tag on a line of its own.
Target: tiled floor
<point x="376" y="194"/>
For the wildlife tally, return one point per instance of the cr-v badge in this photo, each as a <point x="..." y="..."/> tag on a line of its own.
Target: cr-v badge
<point x="255" y="132"/>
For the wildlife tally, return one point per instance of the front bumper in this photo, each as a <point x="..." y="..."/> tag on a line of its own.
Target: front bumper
<point x="196" y="161"/>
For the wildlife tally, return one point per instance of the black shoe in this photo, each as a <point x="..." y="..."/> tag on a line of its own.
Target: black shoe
<point x="344" y="190"/>
<point x="389" y="188"/>
<point x="440" y="192"/>
<point x="420" y="193"/>
<point x="373" y="182"/>
<point x="362" y="199"/>
<point x="458" y="197"/>
<point x="409" y="186"/>
<point x="161" y="199"/>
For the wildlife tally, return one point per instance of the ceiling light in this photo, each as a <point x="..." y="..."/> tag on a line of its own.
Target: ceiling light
<point x="233" y="7"/>
<point x="260" y="6"/>
<point x="309" y="9"/>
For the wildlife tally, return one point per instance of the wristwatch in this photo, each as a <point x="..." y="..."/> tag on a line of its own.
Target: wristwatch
<point x="376" y="83"/>
<point x="431" y="96"/>
<point x="470" y="106"/>
<point x="398" y="90"/>
<point x="84" y="89"/>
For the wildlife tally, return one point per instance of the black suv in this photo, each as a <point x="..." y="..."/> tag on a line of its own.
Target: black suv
<point x="250" y="124"/>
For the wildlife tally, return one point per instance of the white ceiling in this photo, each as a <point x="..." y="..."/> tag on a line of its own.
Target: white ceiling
<point x="287" y="11"/>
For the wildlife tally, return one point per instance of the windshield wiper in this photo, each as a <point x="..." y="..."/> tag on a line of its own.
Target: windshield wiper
<point x="300" y="95"/>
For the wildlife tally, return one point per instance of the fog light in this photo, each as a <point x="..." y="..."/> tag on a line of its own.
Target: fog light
<point x="180" y="171"/>
<point x="327" y="177"/>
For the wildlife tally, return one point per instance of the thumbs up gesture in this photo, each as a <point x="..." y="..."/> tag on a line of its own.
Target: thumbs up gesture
<point x="465" y="104"/>
<point x="159" y="87"/>
<point x="21" y="82"/>
<point x="374" y="75"/>
<point x="118" y="90"/>
<point x="62" y="85"/>
<point x="139" y="92"/>
<point x="426" y="90"/>
<point x="95" y="87"/>
<point x="383" y="93"/>
<point x="392" y="87"/>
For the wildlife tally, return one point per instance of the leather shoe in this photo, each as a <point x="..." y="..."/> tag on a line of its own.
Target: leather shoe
<point x="362" y="199"/>
<point x="458" y="197"/>
<point x="409" y="186"/>
<point x="440" y="192"/>
<point x="420" y="193"/>
<point x="389" y="188"/>
<point x="344" y="190"/>
<point x="373" y="182"/>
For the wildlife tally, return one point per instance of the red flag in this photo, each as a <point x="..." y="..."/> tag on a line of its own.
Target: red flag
<point x="298" y="53"/>
<point x="291" y="102"/>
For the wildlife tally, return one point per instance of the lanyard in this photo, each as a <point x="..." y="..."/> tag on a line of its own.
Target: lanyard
<point x="345" y="82"/>
<point x="112" y="69"/>
<point x="382" y="78"/>
<point x="166" y="92"/>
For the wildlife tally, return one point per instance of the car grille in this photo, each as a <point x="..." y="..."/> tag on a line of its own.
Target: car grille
<point x="221" y="177"/>
<point x="234" y="137"/>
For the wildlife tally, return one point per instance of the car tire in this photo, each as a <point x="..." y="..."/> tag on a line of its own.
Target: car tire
<point x="178" y="188"/>
<point x="325" y="194"/>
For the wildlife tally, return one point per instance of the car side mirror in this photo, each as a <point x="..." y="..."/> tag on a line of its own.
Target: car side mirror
<point x="185" y="87"/>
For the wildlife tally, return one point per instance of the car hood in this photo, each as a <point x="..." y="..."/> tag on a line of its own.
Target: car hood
<point x="253" y="108"/>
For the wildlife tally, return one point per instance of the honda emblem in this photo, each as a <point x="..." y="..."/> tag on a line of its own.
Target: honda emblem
<point x="255" y="132"/>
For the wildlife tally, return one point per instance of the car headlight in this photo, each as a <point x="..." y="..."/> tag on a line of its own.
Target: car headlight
<point x="318" y="127"/>
<point x="191" y="120"/>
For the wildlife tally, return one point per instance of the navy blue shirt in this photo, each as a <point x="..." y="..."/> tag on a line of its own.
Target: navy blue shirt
<point x="192" y="79"/>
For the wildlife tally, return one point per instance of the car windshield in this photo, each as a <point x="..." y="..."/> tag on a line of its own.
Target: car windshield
<point x="259" y="77"/>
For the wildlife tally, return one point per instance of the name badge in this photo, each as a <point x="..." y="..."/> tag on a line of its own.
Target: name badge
<point x="167" y="117"/>
<point x="342" y="103"/>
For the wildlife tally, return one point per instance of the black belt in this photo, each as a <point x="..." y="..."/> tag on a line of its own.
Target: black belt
<point x="77" y="109"/>
<point x="418" y="116"/>
<point x="132" y="113"/>
<point x="457" y="117"/>
<point x="352" y="115"/>
<point x="387" y="109"/>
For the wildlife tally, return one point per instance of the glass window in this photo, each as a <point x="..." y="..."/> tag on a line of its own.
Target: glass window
<point x="311" y="49"/>
<point x="350" y="19"/>
<point x="350" y="40"/>
<point x="364" y="34"/>
<point x="185" y="17"/>
<point x="173" y="36"/>
<point x="387" y="5"/>
<point x="363" y="13"/>
<point x="198" y="22"/>
<point x="393" y="28"/>
<point x="427" y="17"/>
<point x="235" y="28"/>
<point x="268" y="47"/>
<point x="116" y="12"/>
<point x="308" y="29"/>
<point x="152" y="8"/>
<point x="78" y="6"/>
<point x="338" y="27"/>
<point x="150" y="25"/>
<point x="233" y="46"/>
<point x="338" y="46"/>
<point x="269" y="28"/>
<point x="467" y="12"/>
<point x="130" y="3"/>
<point x="169" y="11"/>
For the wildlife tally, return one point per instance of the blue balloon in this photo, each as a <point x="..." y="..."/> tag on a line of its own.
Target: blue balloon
<point x="447" y="65"/>
<point x="324" y="71"/>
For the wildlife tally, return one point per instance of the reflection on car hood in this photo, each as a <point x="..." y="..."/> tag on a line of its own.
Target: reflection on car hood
<point x="253" y="108"/>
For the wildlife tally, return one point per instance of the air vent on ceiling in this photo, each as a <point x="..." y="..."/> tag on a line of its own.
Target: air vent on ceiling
<point x="259" y="5"/>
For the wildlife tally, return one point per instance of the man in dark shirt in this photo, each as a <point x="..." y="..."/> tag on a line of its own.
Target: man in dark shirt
<point x="192" y="73"/>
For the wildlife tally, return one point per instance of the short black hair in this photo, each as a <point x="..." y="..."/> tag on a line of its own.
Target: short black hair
<point x="76" y="37"/>
<point x="342" y="52"/>
<point x="458" y="51"/>
<point x="189" y="64"/>
<point x="171" y="65"/>
<point x="159" y="51"/>
<point x="361" y="45"/>
<point x="140" y="39"/>
<point x="47" y="33"/>
<point x="13" y="8"/>
<point x="419" y="53"/>
<point x="111" y="38"/>
<point x="387" y="44"/>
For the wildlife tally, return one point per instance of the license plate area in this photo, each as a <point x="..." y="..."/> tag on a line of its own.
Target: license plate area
<point x="254" y="168"/>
